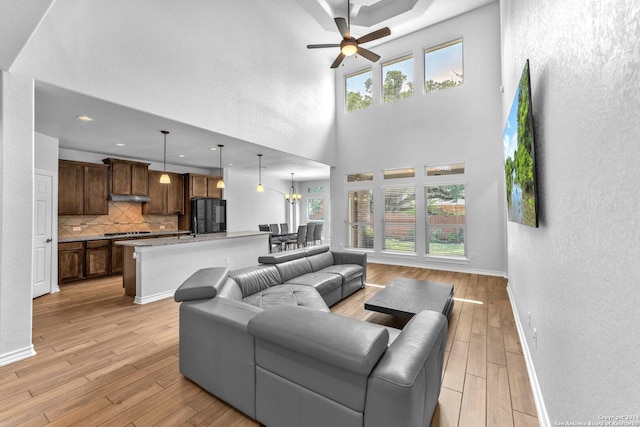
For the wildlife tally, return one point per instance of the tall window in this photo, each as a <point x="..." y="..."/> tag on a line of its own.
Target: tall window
<point x="443" y="66"/>
<point x="358" y="90"/>
<point x="360" y="219"/>
<point x="397" y="79"/>
<point x="315" y="209"/>
<point x="400" y="219"/>
<point x="446" y="220"/>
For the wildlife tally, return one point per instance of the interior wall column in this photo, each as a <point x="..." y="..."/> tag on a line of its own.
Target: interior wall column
<point x="16" y="216"/>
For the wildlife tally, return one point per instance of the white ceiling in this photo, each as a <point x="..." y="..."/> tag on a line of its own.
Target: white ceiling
<point x="57" y="109"/>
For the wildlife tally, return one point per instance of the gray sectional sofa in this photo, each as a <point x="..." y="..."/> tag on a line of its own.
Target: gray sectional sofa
<point x="264" y="340"/>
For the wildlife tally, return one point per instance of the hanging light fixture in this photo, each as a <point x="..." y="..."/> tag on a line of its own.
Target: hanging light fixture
<point x="260" y="188"/>
<point x="292" y="197"/>
<point x="164" y="178"/>
<point x="221" y="182"/>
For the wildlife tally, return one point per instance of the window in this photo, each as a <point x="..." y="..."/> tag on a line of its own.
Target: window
<point x="315" y="209"/>
<point x="397" y="79"/>
<point x="360" y="219"/>
<point x="357" y="177"/>
<point x="443" y="66"/>
<point x="446" y="220"/>
<point x="358" y="90"/>
<point x="399" y="173"/>
<point x="318" y="189"/>
<point x="448" y="169"/>
<point x="400" y="219"/>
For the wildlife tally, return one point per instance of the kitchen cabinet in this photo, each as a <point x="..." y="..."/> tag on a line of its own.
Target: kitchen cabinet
<point x="165" y="199"/>
<point x="197" y="185"/>
<point x="82" y="188"/>
<point x="127" y="177"/>
<point x="116" y="257"/>
<point x="70" y="261"/>
<point x="97" y="258"/>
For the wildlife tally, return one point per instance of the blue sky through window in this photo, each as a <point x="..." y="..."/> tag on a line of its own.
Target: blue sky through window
<point x="405" y="66"/>
<point x="444" y="63"/>
<point x="355" y="82"/>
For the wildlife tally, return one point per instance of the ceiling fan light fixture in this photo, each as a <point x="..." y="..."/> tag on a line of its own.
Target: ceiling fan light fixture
<point x="349" y="47"/>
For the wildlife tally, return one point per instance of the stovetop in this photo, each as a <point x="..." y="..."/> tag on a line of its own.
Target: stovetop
<point x="126" y="233"/>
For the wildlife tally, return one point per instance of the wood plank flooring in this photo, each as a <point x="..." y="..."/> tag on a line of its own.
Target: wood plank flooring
<point x="103" y="360"/>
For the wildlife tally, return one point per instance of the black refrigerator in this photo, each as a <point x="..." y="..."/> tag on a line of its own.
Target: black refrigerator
<point x="208" y="215"/>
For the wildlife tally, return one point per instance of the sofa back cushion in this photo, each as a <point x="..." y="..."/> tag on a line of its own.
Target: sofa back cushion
<point x="290" y="269"/>
<point x="230" y="290"/>
<point x="256" y="279"/>
<point x="280" y="257"/>
<point x="320" y="261"/>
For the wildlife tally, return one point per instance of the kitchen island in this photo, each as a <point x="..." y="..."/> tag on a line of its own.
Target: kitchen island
<point x="154" y="268"/>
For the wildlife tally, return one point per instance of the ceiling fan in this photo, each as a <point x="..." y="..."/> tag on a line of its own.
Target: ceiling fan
<point x="349" y="45"/>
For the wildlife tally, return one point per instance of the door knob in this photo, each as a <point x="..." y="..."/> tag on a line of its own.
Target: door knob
<point x="48" y="240"/>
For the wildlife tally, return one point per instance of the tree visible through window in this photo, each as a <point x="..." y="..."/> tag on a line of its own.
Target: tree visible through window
<point x="398" y="79"/>
<point x="443" y="66"/>
<point x="358" y="89"/>
<point x="446" y="220"/>
<point x="315" y="209"/>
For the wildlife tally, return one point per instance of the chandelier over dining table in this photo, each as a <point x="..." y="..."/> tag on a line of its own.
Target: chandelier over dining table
<point x="292" y="197"/>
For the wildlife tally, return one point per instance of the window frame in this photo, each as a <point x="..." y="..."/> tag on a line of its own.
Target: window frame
<point x="436" y="48"/>
<point x="447" y="181"/>
<point x="346" y="89"/>
<point x="349" y="223"/>
<point x="383" y="76"/>
<point x="384" y="188"/>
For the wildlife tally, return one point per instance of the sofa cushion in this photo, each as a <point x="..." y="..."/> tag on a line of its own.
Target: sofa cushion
<point x="323" y="282"/>
<point x="294" y="268"/>
<point x="230" y="290"/>
<point x="298" y="295"/>
<point x="347" y="271"/>
<point x="320" y="261"/>
<point x="279" y="257"/>
<point x="255" y="279"/>
<point x="203" y="284"/>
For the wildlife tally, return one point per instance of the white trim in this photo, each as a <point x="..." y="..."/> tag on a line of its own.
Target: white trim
<point x="543" y="417"/>
<point x="154" y="297"/>
<point x="457" y="268"/>
<point x="16" y="355"/>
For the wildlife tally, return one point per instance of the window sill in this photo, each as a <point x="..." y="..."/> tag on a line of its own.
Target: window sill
<point x="397" y="254"/>
<point x="447" y="259"/>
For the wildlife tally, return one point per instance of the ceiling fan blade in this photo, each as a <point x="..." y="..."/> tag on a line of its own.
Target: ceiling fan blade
<point x="320" y="46"/>
<point x="368" y="54"/>
<point x="382" y="32"/>
<point x="338" y="60"/>
<point x="343" y="27"/>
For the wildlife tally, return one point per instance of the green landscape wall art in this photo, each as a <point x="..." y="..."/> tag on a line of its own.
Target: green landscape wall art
<point x="519" y="156"/>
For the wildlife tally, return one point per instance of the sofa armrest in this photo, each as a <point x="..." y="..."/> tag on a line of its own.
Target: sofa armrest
<point x="404" y="387"/>
<point x="347" y="257"/>
<point x="339" y="341"/>
<point x="203" y="284"/>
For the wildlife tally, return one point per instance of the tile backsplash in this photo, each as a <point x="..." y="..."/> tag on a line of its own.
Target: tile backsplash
<point x="123" y="216"/>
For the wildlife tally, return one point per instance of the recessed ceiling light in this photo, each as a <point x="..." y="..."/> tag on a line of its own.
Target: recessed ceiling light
<point x="229" y="164"/>
<point x="85" y="118"/>
<point x="180" y="155"/>
<point x="120" y="144"/>
<point x="214" y="148"/>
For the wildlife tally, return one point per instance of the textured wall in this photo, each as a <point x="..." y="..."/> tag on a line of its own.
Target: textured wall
<point x="578" y="273"/>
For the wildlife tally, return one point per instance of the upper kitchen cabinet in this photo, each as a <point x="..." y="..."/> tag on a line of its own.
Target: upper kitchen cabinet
<point x="82" y="188"/>
<point x="165" y="199"/>
<point x="128" y="178"/>
<point x="196" y="186"/>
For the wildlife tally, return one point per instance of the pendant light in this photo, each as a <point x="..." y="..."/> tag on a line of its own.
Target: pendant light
<point x="164" y="178"/>
<point x="292" y="197"/>
<point x="221" y="182"/>
<point x="260" y="188"/>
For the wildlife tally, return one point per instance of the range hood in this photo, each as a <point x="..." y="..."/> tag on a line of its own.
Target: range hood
<point x="128" y="198"/>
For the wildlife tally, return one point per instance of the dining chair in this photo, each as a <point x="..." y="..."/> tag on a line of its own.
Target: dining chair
<point x="317" y="233"/>
<point x="310" y="233"/>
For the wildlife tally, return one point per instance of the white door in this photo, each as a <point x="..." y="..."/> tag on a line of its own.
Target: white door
<point x="42" y="243"/>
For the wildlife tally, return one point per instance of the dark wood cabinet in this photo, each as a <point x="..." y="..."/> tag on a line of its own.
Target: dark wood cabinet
<point x="70" y="261"/>
<point x="165" y="199"/>
<point x="70" y="188"/>
<point x="116" y="257"/>
<point x="197" y="185"/>
<point x="82" y="188"/>
<point x="128" y="177"/>
<point x="96" y="190"/>
<point x="97" y="258"/>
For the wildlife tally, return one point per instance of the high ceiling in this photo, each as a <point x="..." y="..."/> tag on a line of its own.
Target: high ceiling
<point x="57" y="109"/>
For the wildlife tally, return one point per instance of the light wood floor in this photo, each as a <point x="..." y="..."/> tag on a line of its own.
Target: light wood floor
<point x="104" y="361"/>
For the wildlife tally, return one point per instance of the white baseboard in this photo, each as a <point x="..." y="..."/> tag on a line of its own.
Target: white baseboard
<point x="155" y="297"/>
<point x="543" y="417"/>
<point x="17" y="355"/>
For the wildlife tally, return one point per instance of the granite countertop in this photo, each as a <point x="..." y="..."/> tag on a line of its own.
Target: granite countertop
<point x="130" y="236"/>
<point x="164" y="241"/>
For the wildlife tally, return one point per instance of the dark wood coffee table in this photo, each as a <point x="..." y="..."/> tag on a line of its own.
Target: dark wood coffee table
<point x="406" y="297"/>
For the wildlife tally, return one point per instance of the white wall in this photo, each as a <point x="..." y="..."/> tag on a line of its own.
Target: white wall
<point x="455" y="125"/>
<point x="216" y="65"/>
<point x="578" y="272"/>
<point x="46" y="153"/>
<point x="16" y="216"/>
